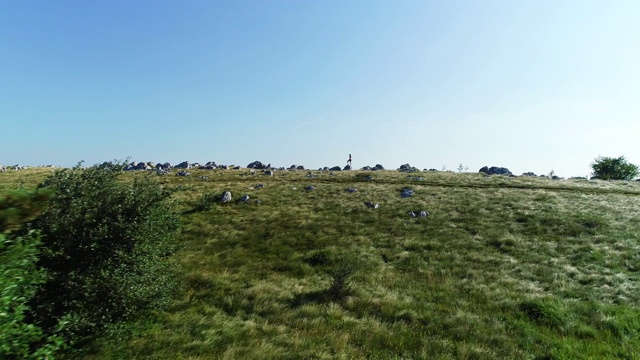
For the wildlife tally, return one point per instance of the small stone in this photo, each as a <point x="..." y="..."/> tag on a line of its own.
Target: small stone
<point x="407" y="193"/>
<point x="257" y="201"/>
<point x="351" y="190"/>
<point x="424" y="213"/>
<point x="244" y="198"/>
<point x="372" y="205"/>
<point x="259" y="186"/>
<point x="412" y="214"/>
<point x="310" y="188"/>
<point x="226" y="197"/>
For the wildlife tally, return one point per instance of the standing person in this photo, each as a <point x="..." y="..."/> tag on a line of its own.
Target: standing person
<point x="349" y="162"/>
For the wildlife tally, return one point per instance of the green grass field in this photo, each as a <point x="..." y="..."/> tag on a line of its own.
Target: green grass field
<point x="503" y="268"/>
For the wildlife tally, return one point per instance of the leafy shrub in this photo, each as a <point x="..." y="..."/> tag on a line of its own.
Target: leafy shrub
<point x="341" y="271"/>
<point x="106" y="248"/>
<point x="20" y="278"/>
<point x="607" y="168"/>
<point x="20" y="206"/>
<point x="205" y="202"/>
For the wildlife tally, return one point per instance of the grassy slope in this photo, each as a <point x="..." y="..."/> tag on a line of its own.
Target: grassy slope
<point x="503" y="268"/>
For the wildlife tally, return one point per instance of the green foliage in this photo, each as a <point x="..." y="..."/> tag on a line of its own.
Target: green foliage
<point x="504" y="268"/>
<point x="19" y="207"/>
<point x="341" y="271"/>
<point x="107" y="247"/>
<point x="19" y="280"/>
<point x="205" y="202"/>
<point x="607" y="168"/>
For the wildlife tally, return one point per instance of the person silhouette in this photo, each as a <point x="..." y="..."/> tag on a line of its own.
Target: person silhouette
<point x="349" y="161"/>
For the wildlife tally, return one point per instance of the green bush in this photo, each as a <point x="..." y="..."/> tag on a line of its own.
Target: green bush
<point x="20" y="278"/>
<point x="107" y="248"/>
<point x="20" y="206"/>
<point x="607" y="168"/>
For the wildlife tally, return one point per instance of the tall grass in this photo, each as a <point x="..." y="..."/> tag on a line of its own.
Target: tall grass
<point x="502" y="268"/>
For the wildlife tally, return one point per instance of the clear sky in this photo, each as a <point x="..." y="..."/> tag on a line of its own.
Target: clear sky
<point x="532" y="85"/>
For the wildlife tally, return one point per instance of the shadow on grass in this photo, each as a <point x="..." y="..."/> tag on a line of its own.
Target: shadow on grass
<point x="325" y="296"/>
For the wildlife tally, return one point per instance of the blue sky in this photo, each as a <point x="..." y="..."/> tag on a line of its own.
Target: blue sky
<point x="529" y="85"/>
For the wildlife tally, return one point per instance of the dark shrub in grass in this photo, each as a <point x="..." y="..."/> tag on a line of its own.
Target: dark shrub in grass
<point x="107" y="248"/>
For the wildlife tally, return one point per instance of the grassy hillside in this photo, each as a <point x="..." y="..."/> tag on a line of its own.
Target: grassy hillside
<point x="502" y="268"/>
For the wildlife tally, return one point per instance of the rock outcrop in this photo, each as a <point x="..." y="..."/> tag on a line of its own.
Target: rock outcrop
<point x="494" y="170"/>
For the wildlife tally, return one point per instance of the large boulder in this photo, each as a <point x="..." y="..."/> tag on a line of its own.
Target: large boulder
<point x="494" y="170"/>
<point x="336" y="168"/>
<point x="347" y="167"/>
<point x="142" y="166"/>
<point x="257" y="165"/>
<point x="407" y="168"/>
<point x="210" y="165"/>
<point x="183" y="165"/>
<point x="378" y="167"/>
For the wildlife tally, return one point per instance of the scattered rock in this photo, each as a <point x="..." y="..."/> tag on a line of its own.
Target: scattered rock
<point x="226" y="197"/>
<point x="268" y="172"/>
<point x="494" y="170"/>
<point x="223" y="167"/>
<point x="422" y="213"/>
<point x="369" y="204"/>
<point x="347" y="167"/>
<point x="163" y="172"/>
<point x="245" y="198"/>
<point x="183" y="173"/>
<point x="530" y="174"/>
<point x="236" y="168"/>
<point x="407" y="193"/>
<point x="336" y="168"/>
<point x="310" y="188"/>
<point x="257" y="201"/>
<point x="367" y="168"/>
<point x="259" y="186"/>
<point x="351" y="190"/>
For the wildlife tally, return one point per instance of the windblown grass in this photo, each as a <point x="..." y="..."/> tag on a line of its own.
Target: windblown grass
<point x="502" y="268"/>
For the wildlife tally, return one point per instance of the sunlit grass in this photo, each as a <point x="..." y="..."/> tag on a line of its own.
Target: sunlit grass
<point x="502" y="268"/>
